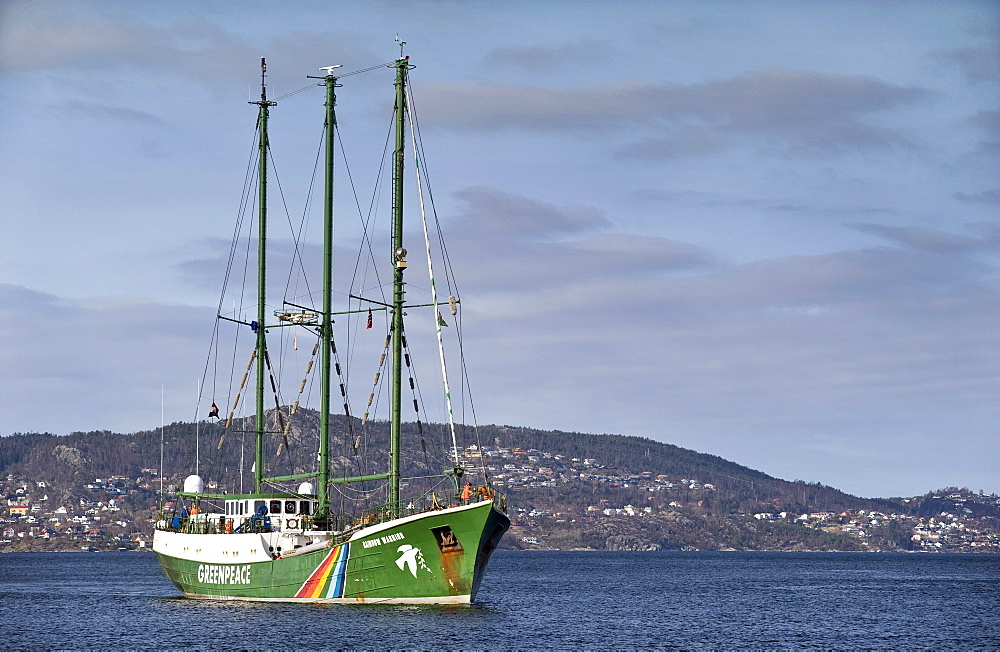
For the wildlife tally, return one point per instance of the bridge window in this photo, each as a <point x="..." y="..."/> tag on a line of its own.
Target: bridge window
<point x="275" y="507"/>
<point x="305" y="507"/>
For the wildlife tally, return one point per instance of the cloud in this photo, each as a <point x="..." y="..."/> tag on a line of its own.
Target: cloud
<point x="52" y="36"/>
<point x="989" y="232"/>
<point x="68" y="37"/>
<point x="542" y="57"/>
<point x="683" y="143"/>
<point x="73" y="37"/>
<point x="930" y="240"/>
<point x="201" y="264"/>
<point x="845" y="351"/>
<point x="985" y="197"/>
<point x="541" y="245"/>
<point x="100" y="363"/>
<point x="988" y="122"/>
<point x="115" y="115"/>
<point x="979" y="65"/>
<point x="796" y="351"/>
<point x="643" y="253"/>
<point x="205" y="265"/>
<point x="656" y="276"/>
<point x="792" y="110"/>
<point x="514" y="217"/>
<point x="852" y="349"/>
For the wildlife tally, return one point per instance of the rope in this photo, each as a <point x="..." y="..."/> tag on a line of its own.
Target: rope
<point x="434" y="296"/>
<point x="450" y="281"/>
<point x="346" y="74"/>
<point x="297" y="234"/>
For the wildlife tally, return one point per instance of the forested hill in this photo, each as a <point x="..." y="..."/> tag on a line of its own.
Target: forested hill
<point x="81" y="456"/>
<point x="564" y="489"/>
<point x="735" y="484"/>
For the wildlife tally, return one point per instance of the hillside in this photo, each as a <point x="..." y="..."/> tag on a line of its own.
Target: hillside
<point x="565" y="490"/>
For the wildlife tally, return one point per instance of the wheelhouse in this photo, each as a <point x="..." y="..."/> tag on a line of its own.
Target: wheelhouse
<point x="276" y="505"/>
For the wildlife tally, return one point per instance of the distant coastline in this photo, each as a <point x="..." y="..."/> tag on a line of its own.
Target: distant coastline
<point x="566" y="491"/>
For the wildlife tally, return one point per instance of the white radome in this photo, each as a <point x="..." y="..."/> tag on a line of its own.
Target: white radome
<point x="193" y="484"/>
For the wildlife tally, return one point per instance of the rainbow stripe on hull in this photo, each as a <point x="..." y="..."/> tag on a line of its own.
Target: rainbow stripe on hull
<point x="327" y="581"/>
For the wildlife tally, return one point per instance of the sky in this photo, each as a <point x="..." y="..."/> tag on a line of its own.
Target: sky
<point x="768" y="231"/>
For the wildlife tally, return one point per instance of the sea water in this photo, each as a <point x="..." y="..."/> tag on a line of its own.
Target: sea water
<point x="534" y="600"/>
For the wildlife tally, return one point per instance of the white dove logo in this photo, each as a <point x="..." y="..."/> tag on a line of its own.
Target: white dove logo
<point x="411" y="558"/>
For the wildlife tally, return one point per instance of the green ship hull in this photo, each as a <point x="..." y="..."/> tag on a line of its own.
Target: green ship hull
<point x="435" y="557"/>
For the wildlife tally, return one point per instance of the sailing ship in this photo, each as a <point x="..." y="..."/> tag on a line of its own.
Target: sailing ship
<point x="303" y="536"/>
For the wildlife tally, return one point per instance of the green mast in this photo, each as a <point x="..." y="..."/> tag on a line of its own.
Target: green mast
<point x="326" y="327"/>
<point x="399" y="264"/>
<point x="261" y="350"/>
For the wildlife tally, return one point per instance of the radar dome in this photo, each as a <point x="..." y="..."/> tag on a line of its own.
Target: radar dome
<point x="307" y="489"/>
<point x="193" y="484"/>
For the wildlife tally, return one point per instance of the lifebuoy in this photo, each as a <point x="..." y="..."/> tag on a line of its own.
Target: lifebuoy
<point x="292" y="523"/>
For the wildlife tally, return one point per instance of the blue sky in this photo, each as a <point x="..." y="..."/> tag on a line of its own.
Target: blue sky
<point x="768" y="231"/>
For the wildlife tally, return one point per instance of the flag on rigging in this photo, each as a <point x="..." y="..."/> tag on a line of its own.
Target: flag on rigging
<point x="369" y="319"/>
<point x="214" y="412"/>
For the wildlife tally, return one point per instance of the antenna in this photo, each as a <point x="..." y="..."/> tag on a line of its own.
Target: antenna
<point x="329" y="69"/>
<point x="401" y="44"/>
<point x="161" y="452"/>
<point x="263" y="88"/>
